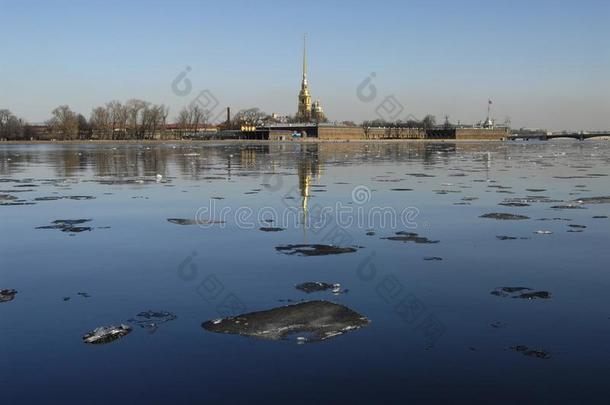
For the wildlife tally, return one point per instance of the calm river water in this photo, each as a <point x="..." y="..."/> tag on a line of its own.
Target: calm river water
<point x="425" y="260"/>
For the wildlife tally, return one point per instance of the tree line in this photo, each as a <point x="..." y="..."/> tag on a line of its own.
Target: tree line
<point x="139" y="120"/>
<point x="428" y="122"/>
<point x="135" y="119"/>
<point x="132" y="120"/>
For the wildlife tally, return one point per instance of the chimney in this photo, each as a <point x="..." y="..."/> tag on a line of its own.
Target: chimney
<point x="228" y="116"/>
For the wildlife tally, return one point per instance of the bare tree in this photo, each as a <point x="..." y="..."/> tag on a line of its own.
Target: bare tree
<point x="100" y="121"/>
<point x="199" y="116"/>
<point x="64" y="122"/>
<point x="250" y="116"/>
<point x="153" y="117"/>
<point x="428" y="122"/>
<point x="366" y="127"/>
<point x="11" y="127"/>
<point x="135" y="117"/>
<point x="118" y="119"/>
<point x="84" y="128"/>
<point x="191" y="118"/>
<point x="184" y="120"/>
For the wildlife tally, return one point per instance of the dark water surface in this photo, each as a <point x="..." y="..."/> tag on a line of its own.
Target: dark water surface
<point x="441" y="328"/>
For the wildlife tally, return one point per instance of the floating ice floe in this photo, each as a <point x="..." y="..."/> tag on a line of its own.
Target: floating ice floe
<point x="506" y="237"/>
<point x="526" y="351"/>
<point x="184" y="221"/>
<point x="7" y="197"/>
<point x="319" y="320"/>
<point x="106" y="334"/>
<point x="68" y="225"/>
<point x="271" y="229"/>
<point x="568" y="207"/>
<point x="514" y="204"/>
<point x="594" y="200"/>
<point x="152" y="319"/>
<point x="504" y="216"/>
<point x="520" y="292"/>
<point x="409" y="237"/>
<point x="316" y="286"/>
<point x="314" y="250"/>
<point x="7" y="294"/>
<point x="66" y="197"/>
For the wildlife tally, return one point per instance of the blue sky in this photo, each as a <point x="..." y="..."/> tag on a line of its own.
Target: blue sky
<point x="543" y="63"/>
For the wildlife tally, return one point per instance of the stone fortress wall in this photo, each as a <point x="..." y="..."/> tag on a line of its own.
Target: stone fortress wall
<point x="344" y="133"/>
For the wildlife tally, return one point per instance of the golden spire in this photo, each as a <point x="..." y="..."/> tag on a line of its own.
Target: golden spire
<point x="304" y="108"/>
<point x="304" y="59"/>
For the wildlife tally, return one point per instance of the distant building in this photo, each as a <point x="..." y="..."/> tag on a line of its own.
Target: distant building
<point x="275" y="118"/>
<point x="489" y="123"/>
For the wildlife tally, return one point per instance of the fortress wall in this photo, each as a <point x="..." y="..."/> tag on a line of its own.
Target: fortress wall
<point x="482" y="133"/>
<point x="395" y="133"/>
<point x="340" y="133"/>
<point x="346" y="133"/>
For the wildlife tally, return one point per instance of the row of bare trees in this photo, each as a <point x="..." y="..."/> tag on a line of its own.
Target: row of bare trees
<point x="191" y="118"/>
<point x="250" y="117"/>
<point x="136" y="119"/>
<point x="428" y="122"/>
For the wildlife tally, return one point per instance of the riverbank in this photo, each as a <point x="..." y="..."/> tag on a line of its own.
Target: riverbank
<point x="211" y="141"/>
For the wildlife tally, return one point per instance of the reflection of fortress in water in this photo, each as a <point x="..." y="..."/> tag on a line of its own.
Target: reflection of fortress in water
<point x="308" y="170"/>
<point x="215" y="164"/>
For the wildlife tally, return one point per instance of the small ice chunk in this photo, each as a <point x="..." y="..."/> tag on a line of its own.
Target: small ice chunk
<point x="106" y="334"/>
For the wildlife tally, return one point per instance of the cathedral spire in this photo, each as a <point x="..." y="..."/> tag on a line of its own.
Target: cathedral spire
<point x="304" y="110"/>
<point x="305" y="59"/>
